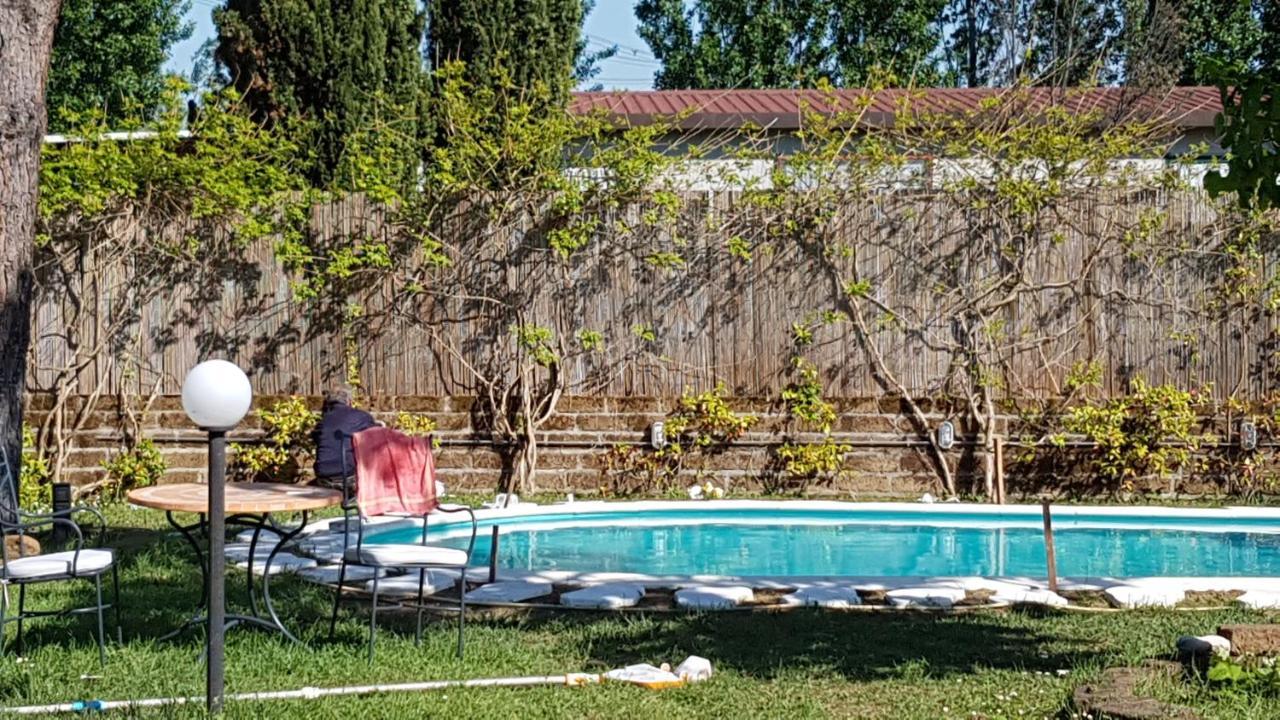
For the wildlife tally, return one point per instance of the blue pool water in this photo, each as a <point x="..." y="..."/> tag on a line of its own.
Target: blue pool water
<point x="869" y="543"/>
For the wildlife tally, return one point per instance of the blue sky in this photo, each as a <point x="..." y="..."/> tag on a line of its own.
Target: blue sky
<point x="612" y="22"/>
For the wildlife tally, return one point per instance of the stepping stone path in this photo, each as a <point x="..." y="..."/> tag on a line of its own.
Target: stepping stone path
<point x="283" y="563"/>
<point x="407" y="584"/>
<point x="509" y="591"/>
<point x="925" y="597"/>
<point x="1128" y="596"/>
<point x="1119" y="693"/>
<point x="239" y="552"/>
<point x="328" y="574"/>
<point x="713" y="597"/>
<point x="608" y="596"/>
<point x="327" y="548"/>
<point x="825" y="597"/>
<point x="1260" y="600"/>
<point x="1252" y="639"/>
<point x="270" y="537"/>
<point x="1029" y="597"/>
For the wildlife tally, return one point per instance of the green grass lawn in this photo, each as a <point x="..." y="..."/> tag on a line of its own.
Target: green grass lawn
<point x="795" y="665"/>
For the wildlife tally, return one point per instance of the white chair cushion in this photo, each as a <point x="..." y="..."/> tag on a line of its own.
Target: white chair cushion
<point x="59" y="563"/>
<point x="406" y="555"/>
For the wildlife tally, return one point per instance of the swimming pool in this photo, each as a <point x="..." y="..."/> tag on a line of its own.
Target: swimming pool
<point x="803" y="538"/>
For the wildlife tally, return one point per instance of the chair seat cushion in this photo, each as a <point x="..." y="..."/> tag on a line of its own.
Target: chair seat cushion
<point x="60" y="563"/>
<point x="406" y="556"/>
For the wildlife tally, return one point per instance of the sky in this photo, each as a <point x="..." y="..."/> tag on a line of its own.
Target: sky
<point x="612" y="22"/>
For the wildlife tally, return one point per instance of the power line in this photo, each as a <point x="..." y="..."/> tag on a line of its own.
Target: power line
<point x="596" y="45"/>
<point x="634" y="50"/>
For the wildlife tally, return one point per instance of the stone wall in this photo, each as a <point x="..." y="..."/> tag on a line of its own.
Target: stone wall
<point x="885" y="461"/>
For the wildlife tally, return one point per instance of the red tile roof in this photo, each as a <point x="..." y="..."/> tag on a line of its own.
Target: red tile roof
<point x="1186" y="107"/>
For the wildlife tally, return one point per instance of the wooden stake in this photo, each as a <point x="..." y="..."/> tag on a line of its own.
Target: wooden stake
<point x="493" y="556"/>
<point x="999" y="471"/>
<point x="1048" y="546"/>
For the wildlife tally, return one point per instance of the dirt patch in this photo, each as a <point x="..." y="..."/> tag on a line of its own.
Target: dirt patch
<point x="656" y="599"/>
<point x="769" y="597"/>
<point x="1086" y="598"/>
<point x="874" y="597"/>
<point x="1209" y="598"/>
<point x="978" y="597"/>
<point x="1114" y="694"/>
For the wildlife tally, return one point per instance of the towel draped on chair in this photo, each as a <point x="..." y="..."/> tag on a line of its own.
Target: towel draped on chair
<point x="395" y="473"/>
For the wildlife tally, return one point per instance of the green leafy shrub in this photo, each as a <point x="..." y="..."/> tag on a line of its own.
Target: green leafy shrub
<point x="140" y="466"/>
<point x="797" y="466"/>
<point x="288" y="425"/>
<point x="34" y="479"/>
<point x="414" y="424"/>
<point x="804" y="463"/>
<point x="702" y="424"/>
<point x="705" y="418"/>
<point x="1246" y="675"/>
<point x="804" y="398"/>
<point x="1149" y="432"/>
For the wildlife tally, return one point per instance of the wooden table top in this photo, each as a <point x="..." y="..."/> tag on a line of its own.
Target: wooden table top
<point x="241" y="497"/>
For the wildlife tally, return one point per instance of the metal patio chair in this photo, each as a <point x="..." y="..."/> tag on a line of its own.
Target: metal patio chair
<point x="79" y="563"/>
<point x="422" y="557"/>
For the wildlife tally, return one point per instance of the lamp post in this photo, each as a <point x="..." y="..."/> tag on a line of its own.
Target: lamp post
<point x="215" y="395"/>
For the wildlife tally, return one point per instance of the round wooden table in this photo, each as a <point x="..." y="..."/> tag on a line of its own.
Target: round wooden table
<point x="242" y="498"/>
<point x="249" y="504"/>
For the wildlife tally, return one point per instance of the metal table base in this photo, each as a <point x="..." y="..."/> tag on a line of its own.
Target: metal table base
<point x="268" y="621"/>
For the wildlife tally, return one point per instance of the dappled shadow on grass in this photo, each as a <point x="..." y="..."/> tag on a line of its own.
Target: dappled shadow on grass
<point x="161" y="588"/>
<point x="857" y="646"/>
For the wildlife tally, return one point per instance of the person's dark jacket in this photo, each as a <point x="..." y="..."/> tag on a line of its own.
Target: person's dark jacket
<point x="329" y="449"/>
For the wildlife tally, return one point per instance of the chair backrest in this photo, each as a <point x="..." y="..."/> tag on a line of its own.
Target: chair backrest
<point x="9" y="479"/>
<point x="387" y="492"/>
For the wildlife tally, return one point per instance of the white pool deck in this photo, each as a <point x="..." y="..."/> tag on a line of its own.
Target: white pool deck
<point x="1131" y="591"/>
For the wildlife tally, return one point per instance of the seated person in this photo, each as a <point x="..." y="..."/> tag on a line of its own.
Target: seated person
<point x="337" y="415"/>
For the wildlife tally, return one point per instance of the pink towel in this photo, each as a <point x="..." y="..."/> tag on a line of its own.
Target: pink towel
<point x="395" y="473"/>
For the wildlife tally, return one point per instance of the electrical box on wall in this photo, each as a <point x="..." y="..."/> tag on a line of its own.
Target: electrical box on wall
<point x="946" y="435"/>
<point x="657" y="435"/>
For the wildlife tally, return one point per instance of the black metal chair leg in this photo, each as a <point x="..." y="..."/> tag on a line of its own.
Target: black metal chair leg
<point x="462" y="610"/>
<point x="4" y="610"/>
<point x="337" y="596"/>
<point x="253" y="550"/>
<point x="115" y="606"/>
<point x="417" y="638"/>
<point x="22" y="609"/>
<point x="373" y="618"/>
<point x="102" y="635"/>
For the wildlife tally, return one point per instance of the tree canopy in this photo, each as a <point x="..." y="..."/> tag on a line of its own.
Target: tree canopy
<point x="761" y="43"/>
<point x="338" y="65"/>
<point x="524" y="43"/>
<point x="108" y="56"/>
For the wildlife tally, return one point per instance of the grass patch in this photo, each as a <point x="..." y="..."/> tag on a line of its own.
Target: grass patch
<point x="800" y="664"/>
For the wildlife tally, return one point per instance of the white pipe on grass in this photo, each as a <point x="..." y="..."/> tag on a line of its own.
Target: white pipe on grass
<point x="309" y="693"/>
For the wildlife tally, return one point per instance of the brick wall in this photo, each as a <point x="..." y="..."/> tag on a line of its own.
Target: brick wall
<point x="572" y="455"/>
<point x="887" y="459"/>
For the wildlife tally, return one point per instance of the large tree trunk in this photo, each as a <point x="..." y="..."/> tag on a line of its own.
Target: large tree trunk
<point x="26" y="40"/>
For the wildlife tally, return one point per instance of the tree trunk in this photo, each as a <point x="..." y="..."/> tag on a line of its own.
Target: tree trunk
<point x="26" y="40"/>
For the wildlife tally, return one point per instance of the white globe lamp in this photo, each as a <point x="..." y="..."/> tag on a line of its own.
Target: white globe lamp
<point x="216" y="395"/>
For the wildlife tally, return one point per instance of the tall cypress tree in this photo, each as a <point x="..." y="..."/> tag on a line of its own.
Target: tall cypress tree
<point x="764" y="43"/>
<point x="529" y="43"/>
<point x="340" y="64"/>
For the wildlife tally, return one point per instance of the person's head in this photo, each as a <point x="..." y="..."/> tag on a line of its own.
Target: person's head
<point x="337" y="396"/>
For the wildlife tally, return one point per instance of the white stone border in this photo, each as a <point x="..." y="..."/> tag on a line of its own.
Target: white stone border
<point x="579" y="514"/>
